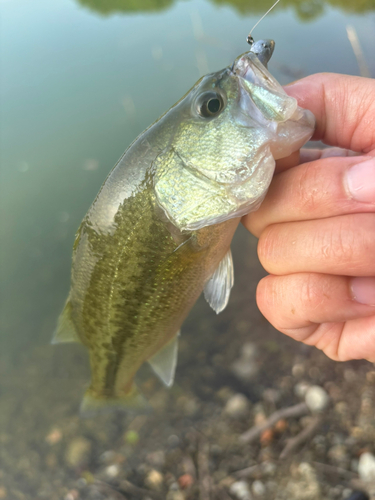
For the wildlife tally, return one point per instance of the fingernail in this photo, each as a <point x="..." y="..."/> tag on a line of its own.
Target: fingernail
<point x="363" y="290"/>
<point x="360" y="180"/>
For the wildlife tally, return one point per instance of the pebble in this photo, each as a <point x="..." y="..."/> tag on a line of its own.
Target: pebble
<point x="245" y="368"/>
<point x="240" y="489"/>
<point x="269" y="468"/>
<point x="301" y="388"/>
<point x="237" y="406"/>
<point x="173" y="441"/>
<point x="78" y="452"/>
<point x="316" y="398"/>
<point x="306" y="486"/>
<point x="339" y="455"/>
<point x="154" y="480"/>
<point x="298" y="370"/>
<point x="185" y="481"/>
<point x="366" y="467"/>
<point x="112" y="471"/>
<point x="55" y="436"/>
<point x="258" y="488"/>
<point x="175" y="495"/>
<point x="271" y="395"/>
<point x="156" y="458"/>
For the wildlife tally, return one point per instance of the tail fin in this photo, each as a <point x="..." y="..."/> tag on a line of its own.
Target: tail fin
<point x="65" y="331"/>
<point x="134" y="401"/>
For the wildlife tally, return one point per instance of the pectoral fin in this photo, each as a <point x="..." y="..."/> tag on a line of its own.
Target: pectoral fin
<point x="218" y="287"/>
<point x="164" y="362"/>
<point x="65" y="331"/>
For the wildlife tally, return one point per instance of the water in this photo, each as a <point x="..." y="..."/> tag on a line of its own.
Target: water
<point x="79" y="81"/>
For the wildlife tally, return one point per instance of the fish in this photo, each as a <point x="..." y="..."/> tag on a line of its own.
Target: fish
<point x="159" y="231"/>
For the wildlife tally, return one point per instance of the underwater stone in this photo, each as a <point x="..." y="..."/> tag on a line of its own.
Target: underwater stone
<point x="366" y="467"/>
<point x="316" y="398"/>
<point x="78" y="452"/>
<point x="237" y="406"/>
<point x="240" y="490"/>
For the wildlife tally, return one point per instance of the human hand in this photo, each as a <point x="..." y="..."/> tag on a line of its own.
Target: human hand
<point x="316" y="226"/>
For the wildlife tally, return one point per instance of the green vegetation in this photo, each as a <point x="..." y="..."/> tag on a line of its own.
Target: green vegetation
<point x="306" y="9"/>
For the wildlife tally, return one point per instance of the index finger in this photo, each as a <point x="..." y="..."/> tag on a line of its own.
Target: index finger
<point x="344" y="108"/>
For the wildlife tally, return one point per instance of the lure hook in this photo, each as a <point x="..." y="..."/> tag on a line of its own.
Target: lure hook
<point x="250" y="39"/>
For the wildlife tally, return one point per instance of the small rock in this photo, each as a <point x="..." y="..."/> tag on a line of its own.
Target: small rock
<point x="258" y="488"/>
<point x="72" y="495"/>
<point x="173" y="441"/>
<point x="271" y="395"/>
<point x="185" y="481"/>
<point x="306" y="486"/>
<point x="298" y="370"/>
<point x="269" y="468"/>
<point x="237" y="406"/>
<point x="245" y="367"/>
<point x="339" y="455"/>
<point x="301" y="388"/>
<point x="112" y="471"/>
<point x="78" y="452"/>
<point x="366" y="467"/>
<point x="108" y="457"/>
<point x="55" y="436"/>
<point x="156" y="458"/>
<point x="249" y="350"/>
<point x="316" y="398"/>
<point x="154" y="480"/>
<point x="175" y="495"/>
<point x="240" y="490"/>
<point x="266" y="437"/>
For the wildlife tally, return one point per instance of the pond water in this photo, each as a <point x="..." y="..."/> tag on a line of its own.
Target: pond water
<point x="80" y="79"/>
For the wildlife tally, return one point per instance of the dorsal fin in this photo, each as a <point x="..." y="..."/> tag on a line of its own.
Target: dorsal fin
<point x="65" y="331"/>
<point x="164" y="362"/>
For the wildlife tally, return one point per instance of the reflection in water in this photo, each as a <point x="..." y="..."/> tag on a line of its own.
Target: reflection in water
<point x="306" y="9"/>
<point x="111" y="6"/>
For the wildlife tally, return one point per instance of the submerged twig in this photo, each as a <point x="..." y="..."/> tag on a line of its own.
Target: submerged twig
<point x="107" y="490"/>
<point x="290" y="412"/>
<point x="296" y="441"/>
<point x="204" y="478"/>
<point x="248" y="471"/>
<point x="332" y="469"/>
<point x="357" y="49"/>
<point x="130" y="488"/>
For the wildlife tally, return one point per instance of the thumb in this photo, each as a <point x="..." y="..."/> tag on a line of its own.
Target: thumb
<point x="344" y="108"/>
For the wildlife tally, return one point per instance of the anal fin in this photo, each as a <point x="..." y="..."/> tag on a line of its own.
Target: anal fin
<point x="65" y="331"/>
<point x="164" y="362"/>
<point x="218" y="287"/>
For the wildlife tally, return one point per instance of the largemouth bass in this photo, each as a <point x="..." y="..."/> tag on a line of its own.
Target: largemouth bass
<point x="159" y="231"/>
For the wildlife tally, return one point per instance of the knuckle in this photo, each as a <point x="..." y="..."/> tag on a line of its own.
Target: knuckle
<point x="312" y="191"/>
<point x="312" y="294"/>
<point x="267" y="246"/>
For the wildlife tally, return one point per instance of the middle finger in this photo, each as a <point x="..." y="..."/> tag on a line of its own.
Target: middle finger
<point x="319" y="189"/>
<point x="343" y="245"/>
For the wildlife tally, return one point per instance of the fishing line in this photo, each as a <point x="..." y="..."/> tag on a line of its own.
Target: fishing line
<point x="250" y="39"/>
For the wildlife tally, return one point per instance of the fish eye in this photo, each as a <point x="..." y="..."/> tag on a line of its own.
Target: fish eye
<point x="210" y="104"/>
